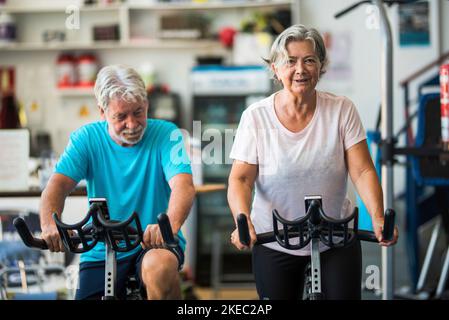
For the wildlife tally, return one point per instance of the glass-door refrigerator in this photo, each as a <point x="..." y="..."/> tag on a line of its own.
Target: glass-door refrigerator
<point x="220" y="95"/>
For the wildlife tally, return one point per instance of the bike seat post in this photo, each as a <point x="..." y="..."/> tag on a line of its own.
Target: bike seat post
<point x="110" y="255"/>
<point x="316" y="293"/>
<point x="110" y="273"/>
<point x="315" y="228"/>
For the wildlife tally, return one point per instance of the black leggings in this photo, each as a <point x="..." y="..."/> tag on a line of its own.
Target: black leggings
<point x="280" y="276"/>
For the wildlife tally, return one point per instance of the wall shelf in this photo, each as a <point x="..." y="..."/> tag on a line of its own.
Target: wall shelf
<point x="99" y="45"/>
<point x="134" y="21"/>
<point x="56" y="9"/>
<point x="222" y="5"/>
<point x="76" y="92"/>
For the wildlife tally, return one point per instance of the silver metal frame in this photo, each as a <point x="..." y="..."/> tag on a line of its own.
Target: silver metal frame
<point x="387" y="136"/>
<point x="315" y="266"/>
<point x="429" y="254"/>
<point x="111" y="272"/>
<point x="443" y="277"/>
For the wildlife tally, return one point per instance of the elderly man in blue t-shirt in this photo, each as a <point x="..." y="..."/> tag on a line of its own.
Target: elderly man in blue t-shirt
<point x="137" y="164"/>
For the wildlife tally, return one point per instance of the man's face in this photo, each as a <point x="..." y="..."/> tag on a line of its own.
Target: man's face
<point x="127" y="121"/>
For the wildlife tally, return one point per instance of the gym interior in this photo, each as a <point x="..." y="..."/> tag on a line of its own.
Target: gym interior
<point x="202" y="65"/>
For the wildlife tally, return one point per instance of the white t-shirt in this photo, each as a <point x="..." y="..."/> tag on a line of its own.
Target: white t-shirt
<point x="293" y="165"/>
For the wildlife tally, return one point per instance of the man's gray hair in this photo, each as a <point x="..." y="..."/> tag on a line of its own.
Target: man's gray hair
<point x="297" y="32"/>
<point x="119" y="81"/>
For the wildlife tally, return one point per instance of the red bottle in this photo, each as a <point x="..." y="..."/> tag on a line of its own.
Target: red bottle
<point x="9" y="113"/>
<point x="87" y="70"/>
<point x="66" y="71"/>
<point x="444" y="101"/>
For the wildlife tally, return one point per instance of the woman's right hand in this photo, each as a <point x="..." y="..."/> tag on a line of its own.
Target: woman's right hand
<point x="51" y="237"/>
<point x="235" y="239"/>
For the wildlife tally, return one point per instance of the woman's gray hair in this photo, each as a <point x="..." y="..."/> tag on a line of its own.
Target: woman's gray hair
<point x="297" y="32"/>
<point x="119" y="81"/>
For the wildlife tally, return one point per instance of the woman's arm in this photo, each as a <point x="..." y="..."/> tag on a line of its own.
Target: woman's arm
<point x="241" y="185"/>
<point x="364" y="177"/>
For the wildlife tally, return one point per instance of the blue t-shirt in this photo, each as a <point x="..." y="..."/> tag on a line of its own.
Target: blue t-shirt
<point x="130" y="178"/>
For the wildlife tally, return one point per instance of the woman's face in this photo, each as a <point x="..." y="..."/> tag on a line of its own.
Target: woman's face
<point x="300" y="74"/>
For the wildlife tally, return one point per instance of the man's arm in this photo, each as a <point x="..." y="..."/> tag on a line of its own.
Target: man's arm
<point x="179" y="204"/>
<point x="181" y="199"/>
<point x="52" y="200"/>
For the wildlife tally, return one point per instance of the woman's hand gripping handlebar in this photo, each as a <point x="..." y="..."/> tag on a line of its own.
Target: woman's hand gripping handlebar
<point x="242" y="233"/>
<point x="247" y="232"/>
<point x="387" y="234"/>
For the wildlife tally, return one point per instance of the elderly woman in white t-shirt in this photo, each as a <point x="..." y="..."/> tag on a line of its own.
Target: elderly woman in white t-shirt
<point x="298" y="142"/>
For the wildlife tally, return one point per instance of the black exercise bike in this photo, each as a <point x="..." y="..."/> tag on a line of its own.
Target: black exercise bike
<point x="97" y="227"/>
<point x="315" y="227"/>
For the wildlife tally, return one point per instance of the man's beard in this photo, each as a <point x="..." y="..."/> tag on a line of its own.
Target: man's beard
<point x="136" y="135"/>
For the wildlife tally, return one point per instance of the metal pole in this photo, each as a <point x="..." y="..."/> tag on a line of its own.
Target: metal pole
<point x="428" y="258"/>
<point x="387" y="137"/>
<point x="443" y="278"/>
<point x="216" y="262"/>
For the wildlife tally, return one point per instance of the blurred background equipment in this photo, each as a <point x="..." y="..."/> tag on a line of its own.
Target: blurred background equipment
<point x="106" y="32"/>
<point x="53" y="36"/>
<point x="164" y="104"/>
<point x="25" y="273"/>
<point x="184" y="26"/>
<point x="444" y="101"/>
<point x="66" y="71"/>
<point x="76" y="71"/>
<point x="87" y="68"/>
<point x="220" y="95"/>
<point x="7" y="28"/>
<point x="9" y="112"/>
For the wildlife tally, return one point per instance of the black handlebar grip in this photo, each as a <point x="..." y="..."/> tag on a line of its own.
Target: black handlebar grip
<point x="26" y="236"/>
<point x="350" y="8"/>
<point x="242" y="226"/>
<point x="387" y="233"/>
<point x="345" y="11"/>
<point x="165" y="227"/>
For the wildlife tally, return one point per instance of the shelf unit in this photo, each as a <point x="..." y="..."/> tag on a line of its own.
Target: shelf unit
<point x="218" y="5"/>
<point x="179" y="6"/>
<point x="111" y="45"/>
<point x="124" y="15"/>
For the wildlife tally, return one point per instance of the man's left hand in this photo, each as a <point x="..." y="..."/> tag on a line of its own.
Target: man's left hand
<point x="152" y="237"/>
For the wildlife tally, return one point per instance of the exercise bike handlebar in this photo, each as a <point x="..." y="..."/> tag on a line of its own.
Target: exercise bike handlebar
<point x="166" y="230"/>
<point x="30" y="241"/>
<point x="350" y="8"/>
<point x="25" y="234"/>
<point x="267" y="237"/>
